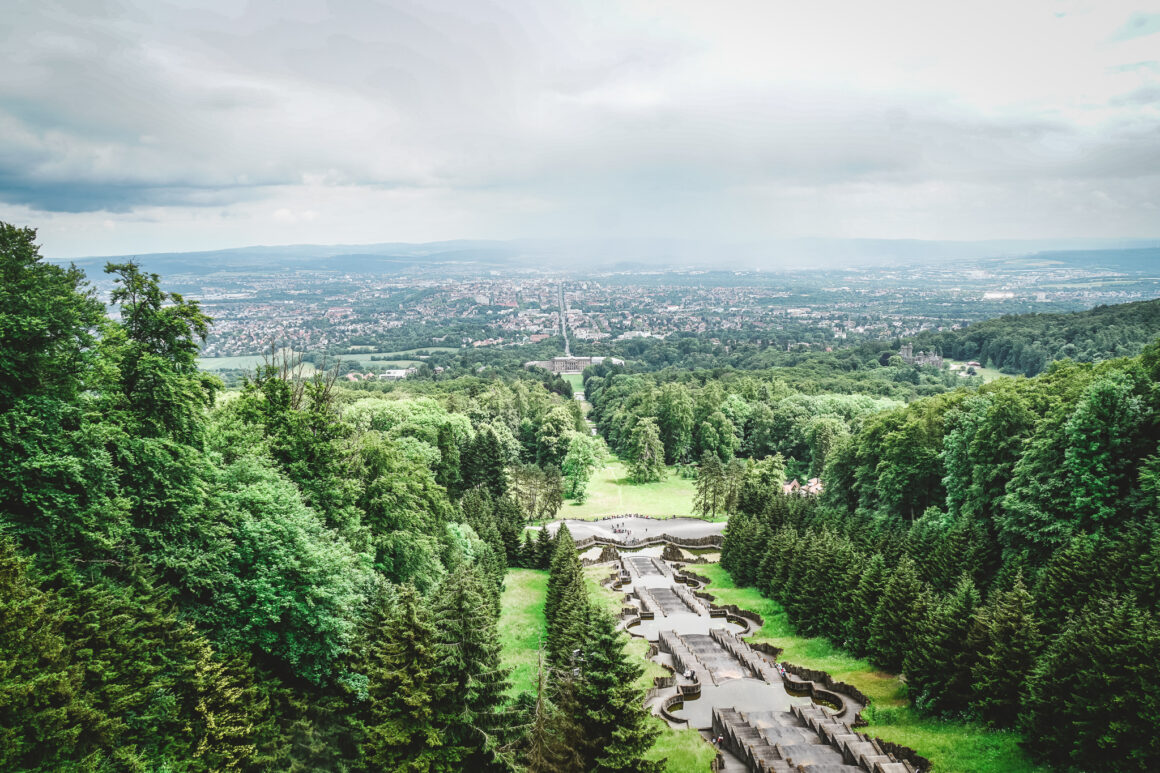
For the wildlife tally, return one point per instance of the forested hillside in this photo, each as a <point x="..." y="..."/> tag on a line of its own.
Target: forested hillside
<point x="1001" y="547"/>
<point x="1027" y="343"/>
<point x="291" y="576"/>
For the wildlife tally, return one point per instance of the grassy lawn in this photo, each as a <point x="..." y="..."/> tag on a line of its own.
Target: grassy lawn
<point x="611" y="493"/>
<point x="683" y="751"/>
<point x="988" y="374"/>
<point x="953" y="747"/>
<point x="575" y="379"/>
<point x="521" y="623"/>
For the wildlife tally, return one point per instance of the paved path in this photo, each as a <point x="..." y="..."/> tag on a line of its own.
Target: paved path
<point x="640" y="528"/>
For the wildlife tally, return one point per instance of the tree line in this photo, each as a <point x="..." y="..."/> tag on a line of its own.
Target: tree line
<point x="1028" y="343"/>
<point x="670" y="418"/>
<point x="1000" y="547"/>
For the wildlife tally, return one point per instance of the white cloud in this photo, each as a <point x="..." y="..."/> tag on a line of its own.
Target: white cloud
<point x="216" y="124"/>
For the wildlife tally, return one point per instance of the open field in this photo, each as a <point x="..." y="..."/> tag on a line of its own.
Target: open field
<point x="988" y="374"/>
<point x="611" y="493"/>
<point x="521" y="624"/>
<point x="244" y="362"/>
<point x="953" y="747"/>
<point x="575" y="380"/>
<point x="369" y="350"/>
<point x="252" y="361"/>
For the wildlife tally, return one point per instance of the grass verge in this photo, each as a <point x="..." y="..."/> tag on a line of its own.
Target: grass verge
<point x="521" y="624"/>
<point x="952" y="746"/>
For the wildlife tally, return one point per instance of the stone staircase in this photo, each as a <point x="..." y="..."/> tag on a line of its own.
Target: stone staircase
<point x="694" y="604"/>
<point x="746" y="655"/>
<point x="803" y="740"/>
<point x="684" y="659"/>
<point x="649" y="606"/>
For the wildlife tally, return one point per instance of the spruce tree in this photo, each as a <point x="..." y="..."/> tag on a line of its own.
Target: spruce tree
<point x="509" y="522"/>
<point x="618" y="730"/>
<point x="563" y="555"/>
<point x="867" y="594"/>
<point x="939" y="667"/>
<point x="1093" y="697"/>
<point x="891" y="627"/>
<point x="566" y="629"/>
<point x="41" y="705"/>
<point x="1066" y="581"/>
<point x="408" y="696"/>
<point x="1009" y="643"/>
<point x="777" y="562"/>
<point x="554" y="735"/>
<point x="544" y="547"/>
<point x="465" y="624"/>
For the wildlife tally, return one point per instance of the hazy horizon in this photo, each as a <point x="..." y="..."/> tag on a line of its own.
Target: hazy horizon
<point x="136" y="127"/>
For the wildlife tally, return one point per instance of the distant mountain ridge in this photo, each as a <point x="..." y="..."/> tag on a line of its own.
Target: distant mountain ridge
<point x="639" y="254"/>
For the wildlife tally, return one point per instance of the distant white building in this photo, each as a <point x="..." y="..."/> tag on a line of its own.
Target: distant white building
<point x="571" y="364"/>
<point x="395" y="375"/>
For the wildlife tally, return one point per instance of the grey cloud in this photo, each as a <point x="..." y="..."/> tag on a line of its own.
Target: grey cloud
<point x="121" y="106"/>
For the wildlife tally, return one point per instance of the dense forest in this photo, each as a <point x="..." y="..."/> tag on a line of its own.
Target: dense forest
<point x="294" y="575"/>
<point x="1027" y="343"/>
<point x="795" y="413"/>
<point x="1001" y="547"/>
<point x="997" y="544"/>
<point x="290" y="576"/>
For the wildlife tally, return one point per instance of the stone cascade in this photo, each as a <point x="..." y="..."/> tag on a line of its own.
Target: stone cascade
<point x="695" y="605"/>
<point x="647" y="566"/>
<point x="784" y="719"/>
<point x="803" y="739"/>
<point x="684" y="660"/>
<point x="649" y="608"/>
<point x="748" y="657"/>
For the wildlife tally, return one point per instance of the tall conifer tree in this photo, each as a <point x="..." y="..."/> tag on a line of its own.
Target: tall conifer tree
<point x="617" y="728"/>
<point x="1009" y="643"/>
<point x="408" y="696"/>
<point x="894" y="616"/>
<point x="465" y="624"/>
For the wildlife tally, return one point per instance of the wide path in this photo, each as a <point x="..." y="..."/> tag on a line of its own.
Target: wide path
<point x="626" y="528"/>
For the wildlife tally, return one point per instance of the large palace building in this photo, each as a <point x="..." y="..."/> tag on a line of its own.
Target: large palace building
<point x="571" y="364"/>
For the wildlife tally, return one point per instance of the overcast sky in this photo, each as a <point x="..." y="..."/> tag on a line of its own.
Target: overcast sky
<point x="156" y="126"/>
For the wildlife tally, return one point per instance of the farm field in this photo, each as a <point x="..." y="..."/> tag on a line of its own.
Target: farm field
<point x="611" y="493"/>
<point x="243" y="362"/>
<point x="251" y="361"/>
